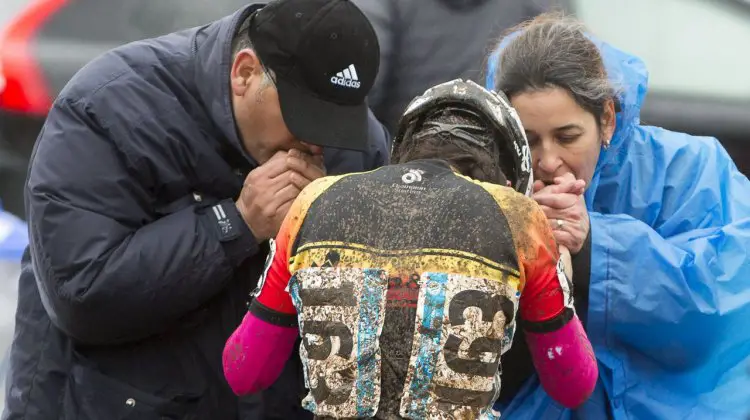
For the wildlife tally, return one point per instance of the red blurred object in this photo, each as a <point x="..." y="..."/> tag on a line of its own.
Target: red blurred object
<point x="24" y="89"/>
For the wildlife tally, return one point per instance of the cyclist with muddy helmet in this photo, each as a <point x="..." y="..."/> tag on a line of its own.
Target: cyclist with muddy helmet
<point x="405" y="283"/>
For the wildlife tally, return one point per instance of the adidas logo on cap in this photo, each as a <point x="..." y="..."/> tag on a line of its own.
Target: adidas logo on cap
<point x="347" y="78"/>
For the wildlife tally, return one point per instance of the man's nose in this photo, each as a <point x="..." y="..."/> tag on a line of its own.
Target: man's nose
<point x="314" y="150"/>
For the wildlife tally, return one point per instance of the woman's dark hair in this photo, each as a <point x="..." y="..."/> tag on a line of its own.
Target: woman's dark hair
<point x="552" y="50"/>
<point x="483" y="163"/>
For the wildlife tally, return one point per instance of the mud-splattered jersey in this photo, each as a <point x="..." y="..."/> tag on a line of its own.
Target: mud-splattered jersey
<point x="405" y="282"/>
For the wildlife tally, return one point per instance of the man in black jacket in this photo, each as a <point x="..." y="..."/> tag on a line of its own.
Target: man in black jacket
<point x="162" y="170"/>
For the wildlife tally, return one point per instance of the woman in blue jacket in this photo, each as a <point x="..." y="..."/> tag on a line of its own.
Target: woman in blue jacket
<point x="663" y="226"/>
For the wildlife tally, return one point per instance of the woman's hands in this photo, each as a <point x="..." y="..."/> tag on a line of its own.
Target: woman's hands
<point x="563" y="204"/>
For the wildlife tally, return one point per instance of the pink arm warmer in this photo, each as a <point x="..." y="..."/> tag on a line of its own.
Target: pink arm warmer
<point x="565" y="363"/>
<point x="256" y="353"/>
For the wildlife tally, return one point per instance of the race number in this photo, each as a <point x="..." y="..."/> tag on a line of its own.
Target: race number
<point x="341" y="313"/>
<point x="460" y="327"/>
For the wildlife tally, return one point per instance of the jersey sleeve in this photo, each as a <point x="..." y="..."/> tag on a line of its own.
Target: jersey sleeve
<point x="546" y="302"/>
<point x="559" y="347"/>
<point x="254" y="355"/>
<point x="272" y="302"/>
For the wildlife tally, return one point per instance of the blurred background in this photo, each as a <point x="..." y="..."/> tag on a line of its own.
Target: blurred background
<point x="696" y="52"/>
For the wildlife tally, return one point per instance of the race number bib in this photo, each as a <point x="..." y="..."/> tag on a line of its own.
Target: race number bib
<point x="341" y="313"/>
<point x="461" y="323"/>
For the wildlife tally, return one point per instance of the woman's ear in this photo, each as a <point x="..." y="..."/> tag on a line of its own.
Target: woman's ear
<point x="609" y="121"/>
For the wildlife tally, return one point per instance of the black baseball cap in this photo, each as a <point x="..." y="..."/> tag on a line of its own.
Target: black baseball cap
<point x="325" y="56"/>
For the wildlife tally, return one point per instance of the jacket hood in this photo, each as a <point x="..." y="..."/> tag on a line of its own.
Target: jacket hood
<point x="628" y="75"/>
<point x="213" y="61"/>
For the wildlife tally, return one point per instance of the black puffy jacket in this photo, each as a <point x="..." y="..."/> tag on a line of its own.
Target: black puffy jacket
<point x="130" y="286"/>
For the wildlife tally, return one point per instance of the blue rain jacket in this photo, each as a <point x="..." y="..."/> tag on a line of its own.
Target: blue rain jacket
<point x="669" y="308"/>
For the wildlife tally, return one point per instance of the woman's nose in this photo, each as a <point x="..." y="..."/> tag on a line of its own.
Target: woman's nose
<point x="546" y="159"/>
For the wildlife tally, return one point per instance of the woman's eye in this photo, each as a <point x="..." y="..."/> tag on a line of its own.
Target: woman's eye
<point x="569" y="138"/>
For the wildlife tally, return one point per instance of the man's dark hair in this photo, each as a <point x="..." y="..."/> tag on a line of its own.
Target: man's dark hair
<point x="482" y="163"/>
<point x="552" y="50"/>
<point x="241" y="39"/>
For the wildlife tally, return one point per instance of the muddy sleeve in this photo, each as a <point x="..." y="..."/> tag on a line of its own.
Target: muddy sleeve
<point x="273" y="302"/>
<point x="560" y="349"/>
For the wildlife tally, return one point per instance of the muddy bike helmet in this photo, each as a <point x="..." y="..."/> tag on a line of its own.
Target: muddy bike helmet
<point x="491" y="107"/>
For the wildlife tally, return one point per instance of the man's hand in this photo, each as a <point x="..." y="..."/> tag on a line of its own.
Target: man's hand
<point x="565" y="209"/>
<point x="271" y="188"/>
<point x="306" y="168"/>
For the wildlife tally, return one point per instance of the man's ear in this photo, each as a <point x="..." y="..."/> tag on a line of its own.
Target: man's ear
<point x="245" y="67"/>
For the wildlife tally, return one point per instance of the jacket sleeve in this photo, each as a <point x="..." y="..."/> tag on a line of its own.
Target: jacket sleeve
<point x="110" y="271"/>
<point x="674" y="262"/>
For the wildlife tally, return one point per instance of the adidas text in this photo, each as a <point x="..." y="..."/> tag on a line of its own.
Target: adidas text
<point x="343" y="82"/>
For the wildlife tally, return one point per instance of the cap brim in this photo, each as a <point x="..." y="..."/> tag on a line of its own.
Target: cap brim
<point x="315" y="121"/>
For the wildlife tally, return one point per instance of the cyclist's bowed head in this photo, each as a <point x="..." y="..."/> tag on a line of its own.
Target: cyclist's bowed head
<point x="477" y="129"/>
